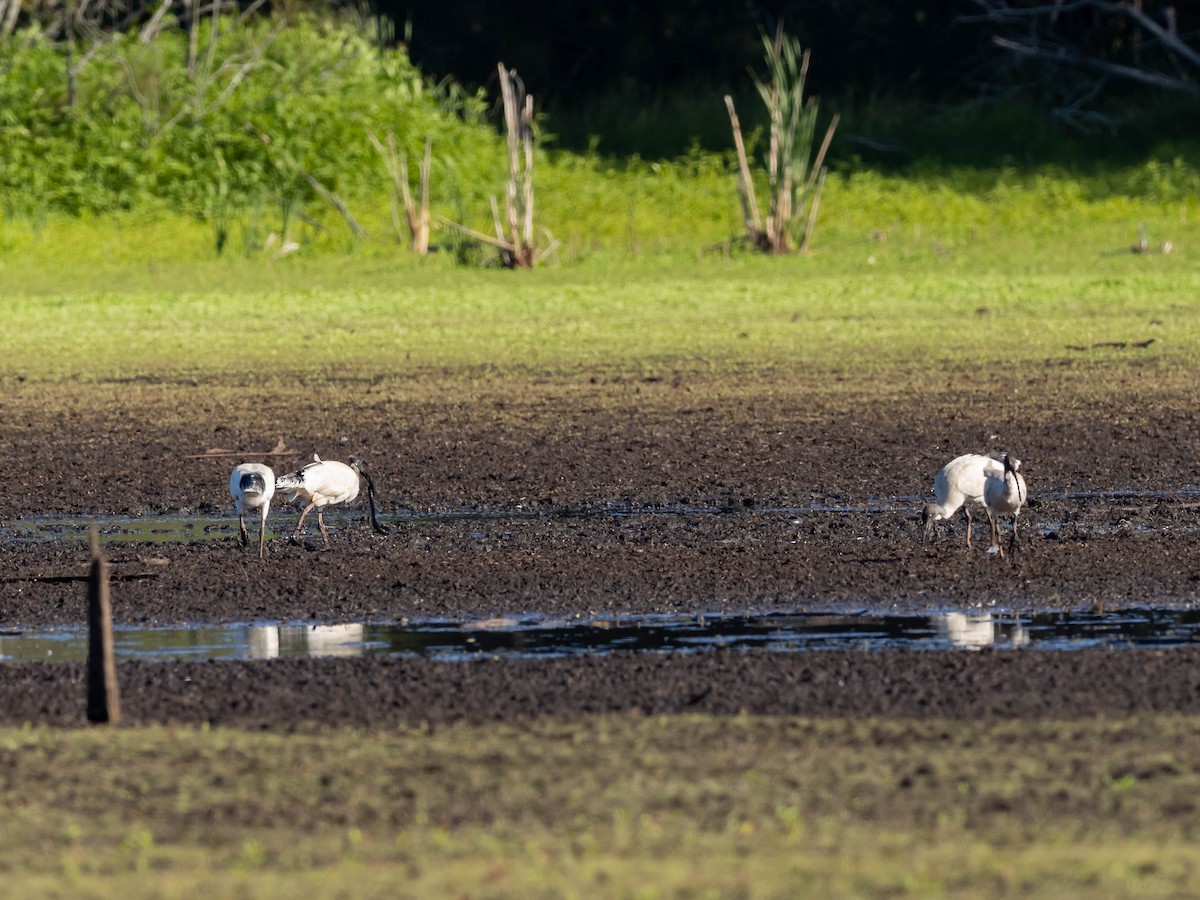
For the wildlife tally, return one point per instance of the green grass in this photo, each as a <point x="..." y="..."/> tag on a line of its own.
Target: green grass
<point x="332" y="316"/>
<point x="682" y="806"/>
<point x="968" y="269"/>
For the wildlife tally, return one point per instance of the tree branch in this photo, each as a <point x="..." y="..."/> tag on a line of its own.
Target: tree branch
<point x="1075" y="58"/>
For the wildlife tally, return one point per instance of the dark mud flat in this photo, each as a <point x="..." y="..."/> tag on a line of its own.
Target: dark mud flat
<point x="1073" y="555"/>
<point x="756" y="480"/>
<point x="301" y="694"/>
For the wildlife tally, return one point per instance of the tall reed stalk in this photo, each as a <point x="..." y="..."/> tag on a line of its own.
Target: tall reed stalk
<point x="795" y="178"/>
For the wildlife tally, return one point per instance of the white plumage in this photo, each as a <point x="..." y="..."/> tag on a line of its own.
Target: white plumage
<point x="326" y="482"/>
<point x="1004" y="495"/>
<point x="252" y="485"/>
<point x="958" y="485"/>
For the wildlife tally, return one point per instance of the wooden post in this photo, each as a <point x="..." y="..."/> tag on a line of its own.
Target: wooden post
<point x="104" y="701"/>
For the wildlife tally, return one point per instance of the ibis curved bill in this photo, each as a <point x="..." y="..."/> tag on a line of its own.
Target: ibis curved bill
<point x="1004" y="495"/>
<point x="252" y="485"/>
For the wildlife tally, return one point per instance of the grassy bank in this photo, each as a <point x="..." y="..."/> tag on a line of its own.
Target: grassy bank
<point x="612" y="806"/>
<point x="847" y="314"/>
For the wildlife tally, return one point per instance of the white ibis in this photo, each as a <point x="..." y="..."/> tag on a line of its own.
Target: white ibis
<point x="327" y="482"/>
<point x="252" y="485"/>
<point x="957" y="486"/>
<point x="1004" y="495"/>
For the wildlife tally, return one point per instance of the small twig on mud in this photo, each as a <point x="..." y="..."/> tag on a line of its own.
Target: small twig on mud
<point x="67" y="579"/>
<point x="281" y="449"/>
<point x="216" y="453"/>
<point x="1120" y="345"/>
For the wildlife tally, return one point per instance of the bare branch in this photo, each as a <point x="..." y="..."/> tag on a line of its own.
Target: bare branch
<point x="9" y="11"/>
<point x="248" y="12"/>
<point x="499" y="243"/>
<point x="201" y="109"/>
<point x="1074" y="57"/>
<point x="1168" y="36"/>
<point x="1042" y="32"/>
<point x="151" y="29"/>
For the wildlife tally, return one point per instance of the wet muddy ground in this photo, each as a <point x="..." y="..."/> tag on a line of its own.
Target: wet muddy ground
<point x="585" y="496"/>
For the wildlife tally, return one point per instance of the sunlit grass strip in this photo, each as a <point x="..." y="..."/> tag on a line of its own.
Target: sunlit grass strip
<point x="749" y="312"/>
<point x="621" y="805"/>
<point x="686" y="208"/>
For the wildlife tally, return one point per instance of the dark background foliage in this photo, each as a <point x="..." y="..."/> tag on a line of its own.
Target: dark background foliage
<point x="585" y="49"/>
<point x="646" y="76"/>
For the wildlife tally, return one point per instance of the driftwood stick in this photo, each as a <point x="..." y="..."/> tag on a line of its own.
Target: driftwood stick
<point x="498" y="243"/>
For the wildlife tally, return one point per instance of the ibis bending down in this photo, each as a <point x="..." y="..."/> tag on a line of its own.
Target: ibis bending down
<point x="252" y="485"/>
<point x="958" y="485"/>
<point x="1004" y="495"/>
<point x="327" y="482"/>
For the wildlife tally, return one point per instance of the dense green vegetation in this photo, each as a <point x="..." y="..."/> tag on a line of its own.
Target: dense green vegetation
<point x="225" y="132"/>
<point x="164" y="153"/>
<point x="612" y="806"/>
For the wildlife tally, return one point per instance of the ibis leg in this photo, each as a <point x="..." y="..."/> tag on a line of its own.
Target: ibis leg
<point x="300" y="524"/>
<point x="242" y="527"/>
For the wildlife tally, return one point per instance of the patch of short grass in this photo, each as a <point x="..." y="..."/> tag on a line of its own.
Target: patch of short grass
<point x="330" y="318"/>
<point x="619" y="806"/>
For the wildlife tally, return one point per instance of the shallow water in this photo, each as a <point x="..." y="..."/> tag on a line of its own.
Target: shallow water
<point x="535" y="636"/>
<point x="183" y="527"/>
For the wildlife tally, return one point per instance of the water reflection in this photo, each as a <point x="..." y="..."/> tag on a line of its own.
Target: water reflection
<point x="292" y="641"/>
<point x="975" y="630"/>
<point x="538" y="636"/>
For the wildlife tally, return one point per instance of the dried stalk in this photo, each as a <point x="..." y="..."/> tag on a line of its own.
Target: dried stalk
<point x="518" y="208"/>
<point x="514" y="229"/>
<point x="794" y="182"/>
<point x="746" y="194"/>
<point x="9" y="11"/>
<point x="527" y="195"/>
<point x="417" y="216"/>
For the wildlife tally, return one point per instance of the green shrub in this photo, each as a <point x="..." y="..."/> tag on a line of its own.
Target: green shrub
<point x="266" y="105"/>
